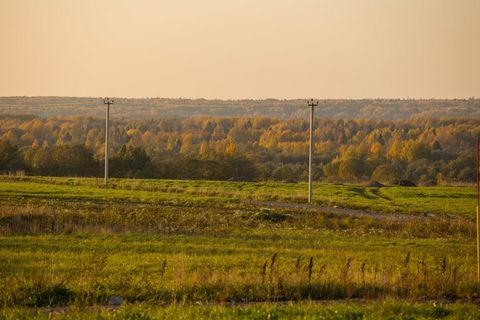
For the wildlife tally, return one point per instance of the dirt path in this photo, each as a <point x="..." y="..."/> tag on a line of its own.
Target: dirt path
<point x="350" y="212"/>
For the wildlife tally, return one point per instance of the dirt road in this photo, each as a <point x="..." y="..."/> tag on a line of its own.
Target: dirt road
<point x="351" y="212"/>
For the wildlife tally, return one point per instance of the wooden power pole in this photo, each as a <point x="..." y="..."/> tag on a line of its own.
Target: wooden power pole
<point x="107" y="102"/>
<point x="312" y="104"/>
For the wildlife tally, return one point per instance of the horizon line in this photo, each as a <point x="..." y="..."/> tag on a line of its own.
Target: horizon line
<point x="244" y="99"/>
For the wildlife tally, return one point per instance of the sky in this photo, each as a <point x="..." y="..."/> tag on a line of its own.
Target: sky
<point x="236" y="49"/>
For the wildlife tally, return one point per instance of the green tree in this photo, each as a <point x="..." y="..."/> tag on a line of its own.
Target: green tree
<point x="9" y="156"/>
<point x="386" y="173"/>
<point x="64" y="160"/>
<point x="131" y="162"/>
<point x="351" y="169"/>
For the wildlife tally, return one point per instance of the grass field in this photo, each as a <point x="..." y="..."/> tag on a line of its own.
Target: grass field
<point x="199" y="249"/>
<point x="409" y="200"/>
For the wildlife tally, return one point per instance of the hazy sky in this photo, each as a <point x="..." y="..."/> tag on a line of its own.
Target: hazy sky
<point x="240" y="48"/>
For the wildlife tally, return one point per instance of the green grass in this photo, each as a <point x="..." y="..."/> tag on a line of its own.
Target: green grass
<point x="256" y="266"/>
<point x="334" y="311"/>
<point x="197" y="249"/>
<point x="407" y="200"/>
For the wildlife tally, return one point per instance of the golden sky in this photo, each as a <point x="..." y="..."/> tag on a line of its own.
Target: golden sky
<point x="235" y="49"/>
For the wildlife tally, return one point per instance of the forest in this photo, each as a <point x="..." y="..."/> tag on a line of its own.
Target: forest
<point x="425" y="151"/>
<point x="154" y="108"/>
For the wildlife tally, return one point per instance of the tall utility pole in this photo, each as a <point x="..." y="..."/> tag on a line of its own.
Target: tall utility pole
<point x="312" y="104"/>
<point x="477" y="171"/>
<point x="107" y="102"/>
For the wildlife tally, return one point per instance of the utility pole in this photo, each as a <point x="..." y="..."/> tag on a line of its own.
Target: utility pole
<point x="107" y="102"/>
<point x="312" y="104"/>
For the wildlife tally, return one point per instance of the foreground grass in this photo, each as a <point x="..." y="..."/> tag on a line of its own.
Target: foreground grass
<point x="385" y="310"/>
<point x="256" y="266"/>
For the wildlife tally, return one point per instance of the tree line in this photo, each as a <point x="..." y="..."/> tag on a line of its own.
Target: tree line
<point x="129" y="109"/>
<point x="426" y="151"/>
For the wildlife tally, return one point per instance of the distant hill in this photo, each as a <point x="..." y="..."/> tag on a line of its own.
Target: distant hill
<point x="137" y="109"/>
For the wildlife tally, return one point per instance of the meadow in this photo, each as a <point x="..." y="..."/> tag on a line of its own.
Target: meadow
<point x="406" y="200"/>
<point x="209" y="249"/>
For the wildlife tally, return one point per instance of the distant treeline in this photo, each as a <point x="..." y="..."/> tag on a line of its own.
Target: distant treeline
<point x="154" y="108"/>
<point x="426" y="151"/>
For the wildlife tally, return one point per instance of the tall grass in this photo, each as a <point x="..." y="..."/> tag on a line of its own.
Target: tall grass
<point x="56" y="218"/>
<point x="97" y="277"/>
